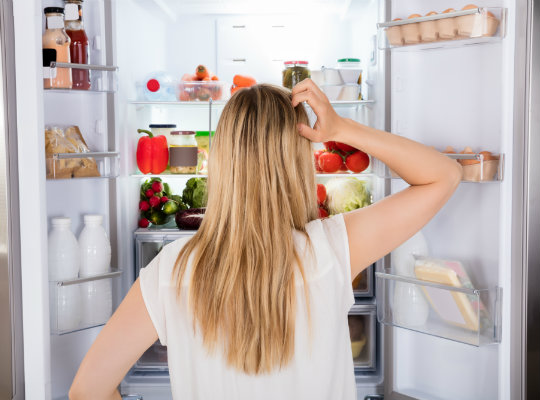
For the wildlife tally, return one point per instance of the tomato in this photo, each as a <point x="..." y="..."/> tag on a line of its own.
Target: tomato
<point x="357" y="162"/>
<point x="345" y="147"/>
<point x="323" y="213"/>
<point x="321" y="193"/>
<point x="330" y="162"/>
<point x="317" y="154"/>
<point x="343" y="167"/>
<point x="330" y="146"/>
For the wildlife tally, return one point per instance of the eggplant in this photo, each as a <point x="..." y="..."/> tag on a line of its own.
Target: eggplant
<point x="190" y="219"/>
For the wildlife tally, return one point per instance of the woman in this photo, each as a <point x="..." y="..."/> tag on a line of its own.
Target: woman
<point x="255" y="305"/>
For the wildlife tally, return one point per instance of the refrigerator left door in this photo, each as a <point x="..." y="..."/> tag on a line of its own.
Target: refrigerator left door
<point x="11" y="348"/>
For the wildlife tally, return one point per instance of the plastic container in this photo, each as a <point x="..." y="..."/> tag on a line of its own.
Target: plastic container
<point x="95" y="247"/>
<point x="63" y="251"/>
<point x="183" y="152"/>
<point x="350" y="92"/>
<point x="447" y="28"/>
<point x="349" y="70"/>
<point x="428" y="29"/>
<point x="96" y="302"/>
<point x="332" y="76"/>
<point x="159" y="86"/>
<point x="162" y="129"/>
<point x="411" y="32"/>
<point x="294" y="72"/>
<point x="203" y="152"/>
<point x="65" y="308"/>
<point x="332" y="91"/>
<point x="363" y="337"/>
<point x="202" y="91"/>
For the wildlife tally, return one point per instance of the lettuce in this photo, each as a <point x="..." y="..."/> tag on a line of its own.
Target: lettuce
<point x="346" y="194"/>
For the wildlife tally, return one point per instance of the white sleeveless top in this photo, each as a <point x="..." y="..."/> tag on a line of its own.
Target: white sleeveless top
<point x="322" y="369"/>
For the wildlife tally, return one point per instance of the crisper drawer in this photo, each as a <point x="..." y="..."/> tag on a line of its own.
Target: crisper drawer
<point x="363" y="283"/>
<point x="363" y="332"/>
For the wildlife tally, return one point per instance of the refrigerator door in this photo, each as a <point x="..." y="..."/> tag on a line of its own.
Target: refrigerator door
<point x="11" y="356"/>
<point x="456" y="94"/>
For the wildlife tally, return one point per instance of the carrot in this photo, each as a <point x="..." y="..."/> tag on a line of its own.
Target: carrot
<point x="235" y="89"/>
<point x="214" y="78"/>
<point x="187" y="77"/>
<point x="207" y="79"/>
<point x="202" y="72"/>
<point x="244" y="80"/>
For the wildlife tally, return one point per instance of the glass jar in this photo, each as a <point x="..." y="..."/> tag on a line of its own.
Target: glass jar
<point x="56" y="39"/>
<point x="294" y="72"/>
<point x="162" y="129"/>
<point x="183" y="152"/>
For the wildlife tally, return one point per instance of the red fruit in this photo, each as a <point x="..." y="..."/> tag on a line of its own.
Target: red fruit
<point x="343" y="167"/>
<point x="144" y="205"/>
<point x="164" y="199"/>
<point x="357" y="162"/>
<point x="323" y="213"/>
<point x="345" y="147"/>
<point x="154" y="201"/>
<point x="330" y="162"/>
<point x="143" y="223"/>
<point x="149" y="193"/>
<point x="317" y="154"/>
<point x="321" y="193"/>
<point x="157" y="187"/>
<point x="330" y="146"/>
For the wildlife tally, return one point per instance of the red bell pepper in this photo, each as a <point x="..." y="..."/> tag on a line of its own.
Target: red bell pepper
<point x="152" y="153"/>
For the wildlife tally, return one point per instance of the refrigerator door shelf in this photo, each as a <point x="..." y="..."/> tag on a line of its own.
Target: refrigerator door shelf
<point x="363" y="283"/>
<point x="476" y="168"/>
<point x="465" y="315"/>
<point x="362" y="329"/>
<point x="81" y="303"/>
<point x="449" y="29"/>
<point x="103" y="78"/>
<point x="83" y="165"/>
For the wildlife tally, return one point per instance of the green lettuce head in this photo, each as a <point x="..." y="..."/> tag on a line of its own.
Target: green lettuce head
<point x="346" y="194"/>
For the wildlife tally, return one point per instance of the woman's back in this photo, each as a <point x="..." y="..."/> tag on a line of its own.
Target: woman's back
<point x="321" y="367"/>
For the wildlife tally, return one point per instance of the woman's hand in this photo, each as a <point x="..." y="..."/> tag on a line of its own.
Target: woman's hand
<point x="328" y="123"/>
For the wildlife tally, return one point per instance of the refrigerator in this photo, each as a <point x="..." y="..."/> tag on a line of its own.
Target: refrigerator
<point x="478" y="90"/>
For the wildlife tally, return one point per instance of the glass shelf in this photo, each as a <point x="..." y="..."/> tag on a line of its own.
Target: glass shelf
<point x="476" y="168"/>
<point x="458" y="313"/>
<point x="451" y="29"/>
<point x="81" y="303"/>
<point x="167" y="176"/>
<point x="103" y="78"/>
<point x="220" y="103"/>
<point x="64" y="166"/>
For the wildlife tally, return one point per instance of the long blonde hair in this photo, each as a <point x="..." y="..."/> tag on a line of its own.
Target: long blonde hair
<point x="261" y="187"/>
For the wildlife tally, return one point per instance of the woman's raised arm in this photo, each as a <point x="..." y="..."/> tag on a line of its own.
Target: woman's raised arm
<point x="376" y="230"/>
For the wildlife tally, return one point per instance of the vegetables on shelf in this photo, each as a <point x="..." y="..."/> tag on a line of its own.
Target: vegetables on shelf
<point x="346" y="194"/>
<point x="338" y="156"/>
<point x="242" y="81"/>
<point x="157" y="204"/>
<point x="195" y="194"/>
<point x="357" y="161"/>
<point x="201" y="86"/>
<point x="330" y="162"/>
<point x="152" y="153"/>
<point x="190" y="219"/>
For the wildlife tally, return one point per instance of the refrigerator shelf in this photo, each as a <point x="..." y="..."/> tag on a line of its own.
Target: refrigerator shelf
<point x="448" y="29"/>
<point x="363" y="283"/>
<point x="103" y="78"/>
<point x="460" y="314"/>
<point x="221" y="103"/>
<point x="101" y="164"/>
<point x="81" y="303"/>
<point x="167" y="175"/>
<point x="476" y="169"/>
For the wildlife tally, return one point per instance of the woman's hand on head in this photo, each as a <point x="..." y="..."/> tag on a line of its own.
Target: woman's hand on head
<point x="328" y="123"/>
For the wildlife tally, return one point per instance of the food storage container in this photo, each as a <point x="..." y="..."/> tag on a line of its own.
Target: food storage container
<point x="203" y="152"/>
<point x="332" y="91"/>
<point x="362" y="332"/>
<point x="294" y="72"/>
<point x="483" y="23"/>
<point x="350" y="92"/>
<point x="447" y="26"/>
<point x="394" y="34"/>
<point x="82" y="165"/>
<point x="332" y="76"/>
<point x="183" y="152"/>
<point x="350" y="71"/>
<point x="202" y="91"/>
<point x="363" y="283"/>
<point x="411" y="31"/>
<point x="317" y="76"/>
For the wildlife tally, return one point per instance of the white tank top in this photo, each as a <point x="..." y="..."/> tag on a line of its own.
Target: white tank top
<point x="321" y="368"/>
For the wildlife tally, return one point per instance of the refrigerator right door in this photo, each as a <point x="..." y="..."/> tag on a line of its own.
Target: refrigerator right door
<point x="451" y="79"/>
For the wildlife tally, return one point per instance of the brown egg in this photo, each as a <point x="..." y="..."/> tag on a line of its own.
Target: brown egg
<point x="414" y="16"/>
<point x="431" y="13"/>
<point x="448" y="10"/>
<point x="488" y="156"/>
<point x="470" y="7"/>
<point x="396" y="19"/>
<point x="468" y="150"/>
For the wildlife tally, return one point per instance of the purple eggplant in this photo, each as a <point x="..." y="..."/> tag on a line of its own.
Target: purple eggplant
<point x="190" y="219"/>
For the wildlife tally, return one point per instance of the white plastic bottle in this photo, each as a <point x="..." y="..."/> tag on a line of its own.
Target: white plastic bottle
<point x="64" y="260"/>
<point x="95" y="247"/>
<point x="63" y="254"/>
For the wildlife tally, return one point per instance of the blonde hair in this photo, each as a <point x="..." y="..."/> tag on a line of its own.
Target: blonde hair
<point x="261" y="187"/>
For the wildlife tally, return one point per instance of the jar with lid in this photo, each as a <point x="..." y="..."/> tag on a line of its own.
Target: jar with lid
<point x="183" y="152"/>
<point x="294" y="72"/>
<point x="56" y="41"/>
<point x="162" y="129"/>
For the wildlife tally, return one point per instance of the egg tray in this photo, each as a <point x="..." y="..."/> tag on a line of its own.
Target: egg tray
<point x="477" y="25"/>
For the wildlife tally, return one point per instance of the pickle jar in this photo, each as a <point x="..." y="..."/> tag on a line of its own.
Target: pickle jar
<point x="294" y="72"/>
<point x="183" y="152"/>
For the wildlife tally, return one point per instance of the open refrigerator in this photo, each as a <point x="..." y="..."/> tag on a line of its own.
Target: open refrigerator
<point x="460" y="91"/>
